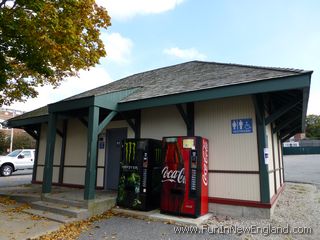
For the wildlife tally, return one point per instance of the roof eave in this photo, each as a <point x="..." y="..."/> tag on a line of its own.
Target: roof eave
<point x="18" y="123"/>
<point x="300" y="81"/>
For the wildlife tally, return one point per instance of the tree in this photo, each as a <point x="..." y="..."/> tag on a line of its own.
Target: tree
<point x="44" y="41"/>
<point x="3" y="143"/>
<point x="313" y="126"/>
<point x="21" y="140"/>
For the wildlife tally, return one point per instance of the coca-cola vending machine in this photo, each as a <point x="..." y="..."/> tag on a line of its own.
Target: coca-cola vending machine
<point x="185" y="176"/>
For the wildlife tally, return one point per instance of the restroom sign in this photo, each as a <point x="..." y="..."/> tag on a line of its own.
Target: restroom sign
<point x="243" y="125"/>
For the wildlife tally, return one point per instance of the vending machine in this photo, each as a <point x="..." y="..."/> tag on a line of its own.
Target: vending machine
<point x="185" y="176"/>
<point x="140" y="174"/>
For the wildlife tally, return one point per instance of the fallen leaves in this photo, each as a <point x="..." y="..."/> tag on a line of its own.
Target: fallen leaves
<point x="18" y="209"/>
<point x="72" y="231"/>
<point x="7" y="201"/>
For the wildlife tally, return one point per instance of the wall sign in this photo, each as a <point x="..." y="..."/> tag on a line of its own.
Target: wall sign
<point x="243" y="125"/>
<point x="266" y="155"/>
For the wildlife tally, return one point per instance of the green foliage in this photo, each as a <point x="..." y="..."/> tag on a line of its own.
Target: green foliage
<point x="44" y="41"/>
<point x="20" y="141"/>
<point x="313" y="126"/>
<point x="3" y="143"/>
<point x="23" y="141"/>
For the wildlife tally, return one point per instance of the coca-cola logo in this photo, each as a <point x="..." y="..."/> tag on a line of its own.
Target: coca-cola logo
<point x="205" y="154"/>
<point x="173" y="175"/>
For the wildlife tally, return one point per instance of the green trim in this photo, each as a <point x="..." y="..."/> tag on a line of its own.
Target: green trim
<point x="184" y="115"/>
<point x="289" y="133"/>
<point x="137" y="122"/>
<point x="130" y="122"/>
<point x="262" y="86"/>
<point x="67" y="105"/>
<point x="280" y="112"/>
<point x="51" y="139"/>
<point x="90" y="180"/>
<point x="279" y="159"/>
<point x="188" y="117"/>
<point x="305" y="96"/>
<point x="274" y="163"/>
<point x="261" y="140"/>
<point x="34" y="172"/>
<point x="27" y="121"/>
<point x="33" y="133"/>
<point x="60" y="133"/>
<point x="106" y="121"/>
<point x="110" y="100"/>
<point x="84" y="122"/>
<point x="63" y="150"/>
<point x="285" y="123"/>
<point x="113" y="101"/>
<point x="190" y="114"/>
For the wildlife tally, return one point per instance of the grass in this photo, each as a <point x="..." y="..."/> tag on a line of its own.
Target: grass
<point x="299" y="188"/>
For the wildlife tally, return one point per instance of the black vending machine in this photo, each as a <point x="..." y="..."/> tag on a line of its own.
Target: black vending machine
<point x="140" y="174"/>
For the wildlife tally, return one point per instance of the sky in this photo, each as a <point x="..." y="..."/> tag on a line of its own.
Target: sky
<point x="148" y="34"/>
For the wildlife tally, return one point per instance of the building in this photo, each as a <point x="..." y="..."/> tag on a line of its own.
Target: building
<point x="244" y="111"/>
<point x="11" y="138"/>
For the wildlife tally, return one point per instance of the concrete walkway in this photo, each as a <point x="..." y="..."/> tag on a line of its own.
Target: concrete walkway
<point x="16" y="225"/>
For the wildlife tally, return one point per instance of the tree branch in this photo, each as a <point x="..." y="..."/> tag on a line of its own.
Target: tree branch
<point x="2" y="3"/>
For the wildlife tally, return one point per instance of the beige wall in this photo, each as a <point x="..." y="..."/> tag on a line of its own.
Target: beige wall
<point x="234" y="186"/>
<point x="42" y="144"/>
<point x="281" y="165"/>
<point x="42" y="153"/>
<point x="227" y="151"/>
<point x="74" y="175"/>
<point x="76" y="143"/>
<point x="269" y="135"/>
<point x="161" y="122"/>
<point x="273" y="158"/>
<point x="39" y="176"/>
<point x="271" y="184"/>
<point x="76" y="152"/>
<point x="277" y="166"/>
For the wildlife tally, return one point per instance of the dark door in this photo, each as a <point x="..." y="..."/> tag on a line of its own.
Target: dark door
<point x="114" y="138"/>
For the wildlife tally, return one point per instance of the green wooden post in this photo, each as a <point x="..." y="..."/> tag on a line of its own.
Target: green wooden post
<point x="48" y="166"/>
<point x="91" y="171"/>
<point x="261" y="138"/>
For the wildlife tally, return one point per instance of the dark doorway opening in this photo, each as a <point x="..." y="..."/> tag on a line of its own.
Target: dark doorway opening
<point x="114" y="139"/>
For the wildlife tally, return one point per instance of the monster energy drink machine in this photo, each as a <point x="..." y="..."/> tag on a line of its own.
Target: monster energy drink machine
<point x="140" y="174"/>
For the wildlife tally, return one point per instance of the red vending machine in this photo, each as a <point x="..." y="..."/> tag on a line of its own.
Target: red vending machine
<point x="185" y="176"/>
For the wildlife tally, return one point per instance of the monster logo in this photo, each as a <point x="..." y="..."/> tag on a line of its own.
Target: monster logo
<point x="158" y="155"/>
<point x="130" y="150"/>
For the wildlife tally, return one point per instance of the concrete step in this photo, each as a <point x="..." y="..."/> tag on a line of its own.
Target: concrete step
<point x="51" y="216"/>
<point x="66" y="210"/>
<point x="74" y="203"/>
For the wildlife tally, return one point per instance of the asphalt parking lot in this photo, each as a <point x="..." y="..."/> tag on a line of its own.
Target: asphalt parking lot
<point x="302" y="168"/>
<point x="17" y="178"/>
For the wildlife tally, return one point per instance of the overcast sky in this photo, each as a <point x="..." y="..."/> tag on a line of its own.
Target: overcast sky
<point x="147" y="34"/>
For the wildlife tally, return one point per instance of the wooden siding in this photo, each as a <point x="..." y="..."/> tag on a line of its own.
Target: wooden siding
<point x="227" y="151"/>
<point x="234" y="186"/>
<point x="162" y="122"/>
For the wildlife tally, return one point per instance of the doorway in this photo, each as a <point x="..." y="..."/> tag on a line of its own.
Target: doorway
<point x="114" y="139"/>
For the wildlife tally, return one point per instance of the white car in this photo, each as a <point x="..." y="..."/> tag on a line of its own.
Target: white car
<point x="17" y="160"/>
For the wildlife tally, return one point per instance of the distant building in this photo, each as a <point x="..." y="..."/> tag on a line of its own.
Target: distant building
<point x="5" y="114"/>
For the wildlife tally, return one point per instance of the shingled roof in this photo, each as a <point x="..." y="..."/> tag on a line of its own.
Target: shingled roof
<point x="181" y="78"/>
<point x="186" y="77"/>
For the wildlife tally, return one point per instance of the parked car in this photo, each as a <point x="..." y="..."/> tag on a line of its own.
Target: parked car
<point x="17" y="160"/>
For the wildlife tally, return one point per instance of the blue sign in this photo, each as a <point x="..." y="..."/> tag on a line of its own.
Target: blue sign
<point x="241" y="125"/>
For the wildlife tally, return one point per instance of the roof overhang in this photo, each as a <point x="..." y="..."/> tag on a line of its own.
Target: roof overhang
<point x="271" y="85"/>
<point x="115" y="101"/>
